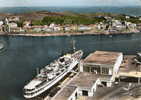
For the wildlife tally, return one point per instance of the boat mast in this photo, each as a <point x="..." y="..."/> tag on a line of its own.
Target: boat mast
<point x="37" y="71"/>
<point x="73" y="45"/>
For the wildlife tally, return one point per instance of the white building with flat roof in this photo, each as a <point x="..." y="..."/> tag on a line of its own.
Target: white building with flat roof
<point x="83" y="84"/>
<point x="102" y="62"/>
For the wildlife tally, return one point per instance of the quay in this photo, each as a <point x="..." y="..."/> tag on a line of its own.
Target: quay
<point x="103" y="75"/>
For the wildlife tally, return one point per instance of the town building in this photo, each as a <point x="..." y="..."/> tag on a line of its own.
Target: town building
<point x="84" y="28"/>
<point x="14" y="18"/>
<point x="13" y="25"/>
<point x="1" y="23"/>
<point x="27" y="24"/>
<point x="103" y="63"/>
<point x="1" y="26"/>
<point x="101" y="26"/>
<point x="17" y="29"/>
<point x="127" y="17"/>
<point x="56" y="29"/>
<point x="83" y="84"/>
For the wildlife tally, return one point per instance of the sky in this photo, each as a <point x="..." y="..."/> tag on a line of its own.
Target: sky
<point x="28" y="3"/>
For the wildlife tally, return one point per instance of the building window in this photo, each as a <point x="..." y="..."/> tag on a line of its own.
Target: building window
<point x="87" y="68"/>
<point x="84" y="93"/>
<point x="95" y="69"/>
<point x="104" y="83"/>
<point x="76" y="95"/>
<point x="105" y="71"/>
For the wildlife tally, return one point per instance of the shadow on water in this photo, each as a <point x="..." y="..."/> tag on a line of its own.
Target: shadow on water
<point x="22" y="55"/>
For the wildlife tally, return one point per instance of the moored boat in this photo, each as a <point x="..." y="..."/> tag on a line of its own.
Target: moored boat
<point x="52" y="74"/>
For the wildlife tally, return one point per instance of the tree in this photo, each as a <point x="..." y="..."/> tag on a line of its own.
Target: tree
<point x="20" y="23"/>
<point x="37" y="22"/>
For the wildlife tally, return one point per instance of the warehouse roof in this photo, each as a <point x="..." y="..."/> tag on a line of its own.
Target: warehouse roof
<point x="102" y="57"/>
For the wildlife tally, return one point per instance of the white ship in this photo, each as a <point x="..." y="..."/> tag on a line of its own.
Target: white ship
<point x="52" y="74"/>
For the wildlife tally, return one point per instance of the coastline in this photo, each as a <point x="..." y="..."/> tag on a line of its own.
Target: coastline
<point x="62" y="34"/>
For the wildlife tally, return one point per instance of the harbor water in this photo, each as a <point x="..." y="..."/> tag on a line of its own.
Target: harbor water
<point x="21" y="55"/>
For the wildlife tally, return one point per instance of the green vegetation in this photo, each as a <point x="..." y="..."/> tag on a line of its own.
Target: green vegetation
<point x="134" y="20"/>
<point x="52" y="19"/>
<point x="85" y="19"/>
<point x="120" y="17"/>
<point x="131" y="19"/>
<point x="20" y="23"/>
<point x="37" y="22"/>
<point x="68" y="20"/>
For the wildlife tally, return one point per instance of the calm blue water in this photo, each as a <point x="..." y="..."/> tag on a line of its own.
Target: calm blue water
<point x="22" y="55"/>
<point x="122" y="10"/>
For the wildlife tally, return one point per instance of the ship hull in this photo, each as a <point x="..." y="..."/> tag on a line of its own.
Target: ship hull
<point x="49" y="85"/>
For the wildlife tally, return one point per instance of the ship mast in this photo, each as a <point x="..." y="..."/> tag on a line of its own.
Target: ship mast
<point x="73" y="45"/>
<point x="37" y="71"/>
